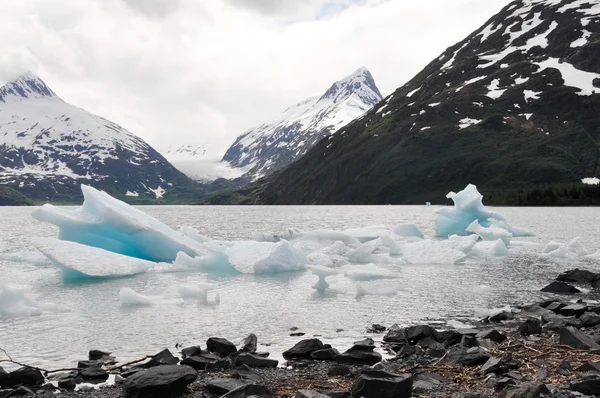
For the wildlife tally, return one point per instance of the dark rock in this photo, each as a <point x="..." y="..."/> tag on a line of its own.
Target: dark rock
<point x="559" y="323"/>
<point x="303" y="349"/>
<point x="468" y="356"/>
<point x="498" y="366"/>
<point x="94" y="374"/>
<point x="222" y="386"/>
<point x="249" y="390"/>
<point x="492" y="335"/>
<point x="541" y="374"/>
<point x="380" y="384"/>
<point x="254" y="361"/>
<point x="162" y="358"/>
<point x="376" y="329"/>
<point x="2" y="371"/>
<point x="250" y="343"/>
<point x="429" y="342"/>
<point x="199" y="362"/>
<point x="68" y="383"/>
<point x="589" y="319"/>
<point x="564" y="368"/>
<point x="220" y="346"/>
<point x="244" y="372"/>
<point x="28" y="377"/>
<point x="407" y="351"/>
<point x="310" y="394"/>
<point x="327" y="354"/>
<point x="469" y="341"/>
<point x="500" y="316"/>
<point x="450" y="337"/>
<point x="425" y="382"/>
<point x="293" y="329"/>
<point x="468" y="332"/>
<point x="576" y="339"/>
<point x="574" y="310"/>
<point x="359" y="357"/>
<point x="514" y="375"/>
<point x="577" y="276"/>
<point x="504" y="382"/>
<point x="97" y="355"/>
<point x="536" y="310"/>
<point x="436" y="352"/>
<point x="21" y="391"/>
<point x="89" y="364"/>
<point x="130" y="372"/>
<point x="589" y="387"/>
<point x="364" y="345"/>
<point x="166" y="381"/>
<point x="530" y="326"/>
<point x="556" y="306"/>
<point x="416" y="333"/>
<point x="589" y="366"/>
<point x="191" y="351"/>
<point x="534" y="390"/>
<point x="339" y="371"/>
<point x="560" y="288"/>
<point x="297" y="334"/>
<point x="395" y="334"/>
<point x="338" y="394"/>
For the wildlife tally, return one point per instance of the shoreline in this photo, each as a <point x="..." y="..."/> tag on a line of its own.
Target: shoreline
<point x="548" y="348"/>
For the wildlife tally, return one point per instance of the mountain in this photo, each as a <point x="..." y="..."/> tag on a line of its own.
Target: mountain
<point x="271" y="146"/>
<point x="201" y="162"/>
<point x="49" y="147"/>
<point x="514" y="105"/>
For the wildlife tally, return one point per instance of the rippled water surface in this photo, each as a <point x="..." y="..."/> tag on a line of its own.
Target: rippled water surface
<point x="270" y="305"/>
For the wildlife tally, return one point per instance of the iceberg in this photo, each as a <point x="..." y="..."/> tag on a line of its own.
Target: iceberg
<point x="250" y="257"/>
<point x="490" y="248"/>
<point x="491" y="233"/>
<point x="194" y="234"/>
<point x="408" y="230"/>
<point x="322" y="273"/>
<point x="79" y="262"/>
<point x="561" y="250"/>
<point x="110" y="224"/>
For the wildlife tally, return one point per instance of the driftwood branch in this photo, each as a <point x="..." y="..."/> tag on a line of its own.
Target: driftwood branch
<point x="130" y="363"/>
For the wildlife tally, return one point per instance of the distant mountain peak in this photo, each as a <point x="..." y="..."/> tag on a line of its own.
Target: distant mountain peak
<point x="360" y="83"/>
<point x="26" y="86"/>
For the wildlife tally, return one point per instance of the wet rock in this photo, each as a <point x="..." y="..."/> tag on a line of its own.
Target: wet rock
<point x="254" y="361"/>
<point x="450" y="337"/>
<point x="560" y="288"/>
<point x="297" y="334"/>
<point x="395" y="334"/>
<point x="380" y="384"/>
<point x="94" y="374"/>
<point x="28" y="377"/>
<point x="590" y="386"/>
<point x="338" y="394"/>
<point x="249" y="390"/>
<point x="492" y="335"/>
<point x="364" y="345"/>
<point x="468" y="356"/>
<point x="529" y="327"/>
<point x="576" y="339"/>
<point x="436" y="352"/>
<point x="589" y="319"/>
<point x="21" y="391"/>
<point x="310" y="394"/>
<point x="327" y="354"/>
<point x="504" y="382"/>
<point x="574" y="310"/>
<point x="191" y="351"/>
<point x="303" y="349"/>
<point x="533" y="390"/>
<point x="536" y="310"/>
<point x="97" y="355"/>
<point x="416" y="333"/>
<point x="359" y="357"/>
<point x="199" y="362"/>
<point x="589" y="366"/>
<point x="556" y="306"/>
<point x="577" y="276"/>
<point x="222" y="347"/>
<point x="339" y="371"/>
<point x="250" y="343"/>
<point x="560" y="323"/>
<point x="564" y="368"/>
<point x="69" y="383"/>
<point x="499" y="317"/>
<point x="541" y="374"/>
<point x="407" y="351"/>
<point x="162" y="358"/>
<point x="376" y="329"/>
<point x="222" y="386"/>
<point x="469" y="341"/>
<point x="89" y="364"/>
<point x="159" y="381"/>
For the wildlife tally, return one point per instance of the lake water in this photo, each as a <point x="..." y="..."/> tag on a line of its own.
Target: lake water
<point x="270" y="305"/>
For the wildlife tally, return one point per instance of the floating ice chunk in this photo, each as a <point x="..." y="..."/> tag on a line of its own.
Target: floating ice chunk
<point x="394" y="247"/>
<point x="107" y="223"/>
<point x="194" y="234"/>
<point x="367" y="234"/>
<point x="79" y="262"/>
<point x="265" y="258"/>
<point x="321" y="259"/>
<point x="491" y="233"/>
<point x="408" y="230"/>
<point x="561" y="250"/>
<point x="368" y="272"/>
<point x="376" y="288"/>
<point x="516" y="232"/>
<point x="483" y="289"/>
<point x="338" y="248"/>
<point x="463" y="243"/>
<point x="20" y="301"/>
<point x="198" y="291"/>
<point x="324" y="235"/>
<point x="433" y="252"/>
<point x="215" y="263"/>
<point x="365" y="254"/>
<point x="490" y="248"/>
<point x="263" y="237"/>
<point x="322" y="273"/>
<point x="129" y="298"/>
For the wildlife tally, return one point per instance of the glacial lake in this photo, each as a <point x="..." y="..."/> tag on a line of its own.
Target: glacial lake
<point x="269" y="305"/>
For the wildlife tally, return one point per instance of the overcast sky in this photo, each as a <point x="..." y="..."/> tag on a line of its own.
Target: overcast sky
<point x="177" y="71"/>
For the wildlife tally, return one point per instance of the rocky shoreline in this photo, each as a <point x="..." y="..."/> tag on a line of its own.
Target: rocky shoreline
<point x="549" y="348"/>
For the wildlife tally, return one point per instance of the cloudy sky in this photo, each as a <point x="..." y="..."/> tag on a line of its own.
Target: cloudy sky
<point x="194" y="71"/>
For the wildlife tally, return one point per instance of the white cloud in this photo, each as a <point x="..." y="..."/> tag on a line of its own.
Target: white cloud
<point x="207" y="70"/>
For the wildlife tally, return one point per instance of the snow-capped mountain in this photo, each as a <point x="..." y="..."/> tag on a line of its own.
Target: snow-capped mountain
<point x="201" y="162"/>
<point x="276" y="144"/>
<point x="517" y="103"/>
<point x="48" y="147"/>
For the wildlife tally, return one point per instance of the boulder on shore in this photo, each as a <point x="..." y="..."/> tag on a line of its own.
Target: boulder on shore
<point x="167" y="381"/>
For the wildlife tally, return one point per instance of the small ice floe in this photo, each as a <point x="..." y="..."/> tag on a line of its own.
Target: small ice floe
<point x="491" y="233"/>
<point x="130" y="298"/>
<point x="560" y="250"/>
<point x="408" y="230"/>
<point x="198" y="291"/>
<point x="490" y="249"/>
<point x="322" y="273"/>
<point x="20" y="301"/>
<point x="368" y="272"/>
<point x="483" y="289"/>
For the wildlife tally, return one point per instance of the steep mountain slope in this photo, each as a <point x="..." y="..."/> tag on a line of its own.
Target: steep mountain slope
<point x="516" y="103"/>
<point x="274" y="145"/>
<point x="48" y="147"/>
